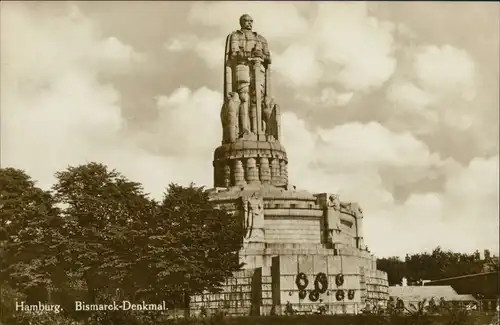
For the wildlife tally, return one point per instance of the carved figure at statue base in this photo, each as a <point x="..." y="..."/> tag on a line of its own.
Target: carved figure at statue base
<point x="271" y="119"/>
<point x="333" y="219"/>
<point x="334" y="202"/>
<point x="229" y="117"/>
<point x="253" y="212"/>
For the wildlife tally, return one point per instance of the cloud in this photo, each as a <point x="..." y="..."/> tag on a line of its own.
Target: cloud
<point x="337" y="158"/>
<point x="407" y="95"/>
<point x="464" y="217"/>
<point x="446" y="69"/>
<point x="211" y="50"/>
<point x="189" y="122"/>
<point x="344" y="34"/>
<point x="328" y="98"/>
<point x="52" y="104"/>
<point x="67" y="50"/>
<point x="478" y="180"/>
<point x="356" y="145"/>
<point x="412" y="108"/>
<point x="439" y="91"/>
<point x="298" y="64"/>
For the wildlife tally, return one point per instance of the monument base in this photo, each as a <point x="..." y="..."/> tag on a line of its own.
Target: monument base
<point x="293" y="261"/>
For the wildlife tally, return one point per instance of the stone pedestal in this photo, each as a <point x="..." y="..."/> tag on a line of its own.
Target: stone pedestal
<point x="250" y="162"/>
<point x="296" y="234"/>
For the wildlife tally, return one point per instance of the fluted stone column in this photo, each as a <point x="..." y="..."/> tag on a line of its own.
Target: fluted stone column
<point x="252" y="172"/>
<point x="226" y="174"/>
<point x="283" y="172"/>
<point x="217" y="174"/>
<point x="265" y="171"/>
<point x="275" y="171"/>
<point x="239" y="173"/>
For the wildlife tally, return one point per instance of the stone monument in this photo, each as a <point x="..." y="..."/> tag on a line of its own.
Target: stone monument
<point x="301" y="250"/>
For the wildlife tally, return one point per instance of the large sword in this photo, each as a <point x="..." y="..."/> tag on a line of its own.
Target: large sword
<point x="257" y="66"/>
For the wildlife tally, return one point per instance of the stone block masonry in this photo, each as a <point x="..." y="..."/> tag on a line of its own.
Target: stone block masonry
<point x="342" y="285"/>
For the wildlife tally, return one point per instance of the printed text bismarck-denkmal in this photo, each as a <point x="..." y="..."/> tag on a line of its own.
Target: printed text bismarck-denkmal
<point x="122" y="305"/>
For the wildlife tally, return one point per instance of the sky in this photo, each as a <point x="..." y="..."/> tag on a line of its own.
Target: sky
<point x="392" y="105"/>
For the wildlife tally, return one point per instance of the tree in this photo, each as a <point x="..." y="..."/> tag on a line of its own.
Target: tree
<point x="29" y="236"/>
<point x="429" y="266"/>
<point x="103" y="213"/>
<point x="8" y="296"/>
<point x="122" y="243"/>
<point x="492" y="264"/>
<point x="190" y="246"/>
<point x="395" y="268"/>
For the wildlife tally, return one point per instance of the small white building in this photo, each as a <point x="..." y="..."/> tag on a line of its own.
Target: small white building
<point x="412" y="295"/>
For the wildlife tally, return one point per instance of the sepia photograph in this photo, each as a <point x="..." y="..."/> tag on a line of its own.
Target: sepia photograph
<point x="249" y="163"/>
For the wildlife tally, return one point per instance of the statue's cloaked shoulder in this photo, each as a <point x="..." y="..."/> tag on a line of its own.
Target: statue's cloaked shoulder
<point x="233" y="42"/>
<point x="236" y="35"/>
<point x="264" y="45"/>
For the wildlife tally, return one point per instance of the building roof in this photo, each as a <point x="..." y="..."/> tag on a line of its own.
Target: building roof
<point x="464" y="277"/>
<point x="418" y="293"/>
<point x="464" y="298"/>
<point x="485" y="285"/>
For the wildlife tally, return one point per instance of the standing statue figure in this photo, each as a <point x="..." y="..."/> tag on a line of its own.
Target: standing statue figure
<point x="334" y="202"/>
<point x="253" y="211"/>
<point x="247" y="72"/>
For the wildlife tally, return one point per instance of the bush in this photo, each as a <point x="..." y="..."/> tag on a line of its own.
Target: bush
<point x="337" y="320"/>
<point x="220" y="319"/>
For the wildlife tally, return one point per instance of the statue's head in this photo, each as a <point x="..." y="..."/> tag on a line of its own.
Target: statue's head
<point x="334" y="198"/>
<point x="334" y="201"/>
<point x="246" y="22"/>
